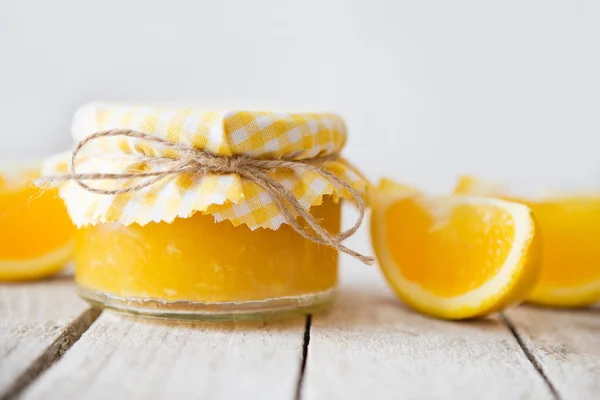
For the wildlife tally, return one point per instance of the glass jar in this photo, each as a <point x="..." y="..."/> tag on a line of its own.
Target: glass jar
<point x="194" y="268"/>
<point x="145" y="185"/>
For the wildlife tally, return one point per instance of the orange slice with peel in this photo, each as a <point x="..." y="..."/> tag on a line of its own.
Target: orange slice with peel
<point x="570" y="273"/>
<point x="35" y="230"/>
<point x="454" y="257"/>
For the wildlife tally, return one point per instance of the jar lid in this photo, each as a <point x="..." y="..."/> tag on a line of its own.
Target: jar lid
<point x="227" y="133"/>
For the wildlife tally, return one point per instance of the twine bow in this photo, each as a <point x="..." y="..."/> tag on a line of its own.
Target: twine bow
<point x="190" y="160"/>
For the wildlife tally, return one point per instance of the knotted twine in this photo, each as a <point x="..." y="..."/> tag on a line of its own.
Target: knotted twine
<point x="188" y="160"/>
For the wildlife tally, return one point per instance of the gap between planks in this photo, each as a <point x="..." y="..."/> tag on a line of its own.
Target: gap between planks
<point x="54" y="352"/>
<point x="529" y="354"/>
<point x="305" y="343"/>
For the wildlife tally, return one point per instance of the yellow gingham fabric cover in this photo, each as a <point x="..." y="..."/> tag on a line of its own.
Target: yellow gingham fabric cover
<point x="223" y="132"/>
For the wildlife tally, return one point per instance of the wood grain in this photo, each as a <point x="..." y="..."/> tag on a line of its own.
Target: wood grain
<point x="124" y="358"/>
<point x="565" y="344"/>
<point x="371" y="346"/>
<point x="33" y="316"/>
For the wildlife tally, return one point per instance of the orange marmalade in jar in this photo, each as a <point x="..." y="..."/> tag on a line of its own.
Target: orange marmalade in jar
<point x="188" y="213"/>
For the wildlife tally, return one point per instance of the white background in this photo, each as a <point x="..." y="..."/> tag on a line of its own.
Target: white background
<point x="507" y="90"/>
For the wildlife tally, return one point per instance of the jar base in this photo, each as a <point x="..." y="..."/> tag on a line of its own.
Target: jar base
<point x="184" y="310"/>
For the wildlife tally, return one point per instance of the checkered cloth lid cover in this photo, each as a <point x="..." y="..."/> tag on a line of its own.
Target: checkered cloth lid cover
<point x="230" y="197"/>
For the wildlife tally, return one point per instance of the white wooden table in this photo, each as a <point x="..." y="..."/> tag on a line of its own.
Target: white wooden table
<point x="368" y="346"/>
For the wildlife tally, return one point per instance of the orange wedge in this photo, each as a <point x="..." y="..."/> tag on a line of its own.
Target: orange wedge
<point x="454" y="257"/>
<point x="570" y="275"/>
<point x="35" y="230"/>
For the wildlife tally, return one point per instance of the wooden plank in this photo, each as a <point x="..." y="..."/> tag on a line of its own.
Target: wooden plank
<point x="371" y="346"/>
<point x="121" y="358"/>
<point x="566" y="346"/>
<point x="37" y="323"/>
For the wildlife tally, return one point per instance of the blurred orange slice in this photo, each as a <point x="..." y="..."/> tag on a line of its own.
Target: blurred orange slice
<point x="454" y="257"/>
<point x="570" y="225"/>
<point x="35" y="230"/>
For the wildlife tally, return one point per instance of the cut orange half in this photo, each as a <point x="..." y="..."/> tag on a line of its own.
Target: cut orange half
<point x="454" y="257"/>
<point x="35" y="230"/>
<point x="570" y="274"/>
